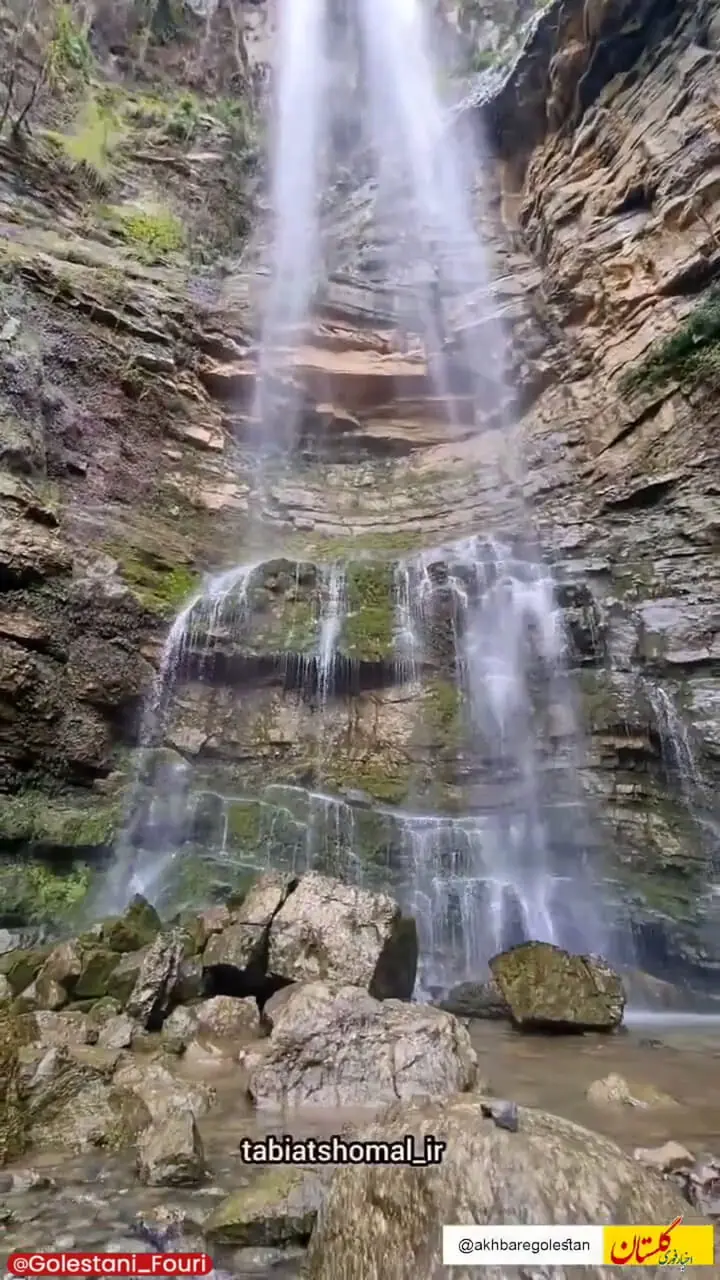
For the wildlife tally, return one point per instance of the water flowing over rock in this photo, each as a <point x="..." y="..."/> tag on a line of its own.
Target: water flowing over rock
<point x="377" y="1222"/>
<point x="548" y="988"/>
<point x="337" y="1047"/>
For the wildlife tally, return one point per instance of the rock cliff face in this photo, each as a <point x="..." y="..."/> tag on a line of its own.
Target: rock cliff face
<point x="126" y="366"/>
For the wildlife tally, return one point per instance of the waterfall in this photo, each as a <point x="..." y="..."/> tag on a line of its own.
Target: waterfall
<point x="156" y="811"/>
<point x="332" y="610"/>
<point x="301" y="80"/>
<point x="675" y="743"/>
<point x="518" y="867"/>
<point x="515" y="865"/>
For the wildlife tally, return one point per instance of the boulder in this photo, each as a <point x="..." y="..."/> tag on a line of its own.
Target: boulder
<point x="338" y="1046"/>
<point x="170" y="1151"/>
<point x="278" y="1208"/>
<point x="202" y="926"/>
<point x="243" y="947"/>
<point x="97" y="967"/>
<point x="670" y="1158"/>
<point x="116" y="1032"/>
<point x="178" y="1029"/>
<point x="22" y="966"/>
<point x="71" y="1102"/>
<point x="13" y="1118"/>
<point x="701" y="1184"/>
<point x="125" y="975"/>
<point x="381" y="1221"/>
<point x="228" y="1017"/>
<point x="149" y="1000"/>
<point x="476" y="1000"/>
<point x="67" y="1028"/>
<point x="64" y="965"/>
<point x="136" y="928"/>
<point x="161" y="1091"/>
<point x="329" y="931"/>
<point x="614" y="1091"/>
<point x="547" y="988"/>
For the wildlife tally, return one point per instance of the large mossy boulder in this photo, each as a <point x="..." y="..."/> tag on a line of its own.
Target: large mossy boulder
<point x="136" y="928"/>
<point x="548" y="989"/>
<point x="276" y="1210"/>
<point x="386" y="1221"/>
<point x="339" y="1047"/>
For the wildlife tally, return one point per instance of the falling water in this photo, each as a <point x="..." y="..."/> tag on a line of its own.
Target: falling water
<point x="425" y="191"/>
<point x="156" y="812"/>
<point x="516" y="867"/>
<point x="675" y="742"/>
<point x="332" y="611"/>
<point x="158" y="806"/>
<point x="301" y="77"/>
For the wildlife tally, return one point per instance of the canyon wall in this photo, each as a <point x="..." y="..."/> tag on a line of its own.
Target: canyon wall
<point x="126" y="366"/>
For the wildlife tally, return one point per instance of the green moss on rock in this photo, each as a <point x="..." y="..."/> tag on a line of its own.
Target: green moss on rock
<point x="158" y="586"/>
<point x="97" y="969"/>
<point x="33" y="819"/>
<point x="137" y="927"/>
<point x="443" y="702"/>
<point x="244" y="821"/>
<point x="368" y="631"/>
<point x="690" y="354"/>
<point x="22" y="966"/>
<point x="35" y="892"/>
<point x="386" y="779"/>
<point x="152" y="233"/>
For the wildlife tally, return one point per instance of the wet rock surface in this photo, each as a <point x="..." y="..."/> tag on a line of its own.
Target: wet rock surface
<point x="376" y="1222"/>
<point x="550" y="989"/>
<point x="337" y="1046"/>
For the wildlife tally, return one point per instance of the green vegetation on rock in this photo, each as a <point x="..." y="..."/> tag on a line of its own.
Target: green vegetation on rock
<point x="152" y="233"/>
<point x="92" y="141"/>
<point x="69" y="56"/>
<point x="384" y="778"/>
<point x="137" y="927"/>
<point x="158" y="586"/>
<point x="443" y="703"/>
<point x="368" y="632"/>
<point x="35" y="892"/>
<point x="690" y="354"/>
<point x="33" y="819"/>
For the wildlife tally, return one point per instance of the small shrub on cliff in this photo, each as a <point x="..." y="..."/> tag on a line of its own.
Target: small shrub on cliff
<point x="152" y="233"/>
<point x="690" y="354"/>
<point x="69" y="54"/>
<point x="93" y="140"/>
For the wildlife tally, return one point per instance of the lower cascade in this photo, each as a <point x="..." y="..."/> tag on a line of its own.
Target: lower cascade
<point x="487" y="679"/>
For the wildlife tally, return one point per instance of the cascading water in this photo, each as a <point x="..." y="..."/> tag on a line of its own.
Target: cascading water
<point x="675" y="742"/>
<point x="332" y="593"/>
<point x="301" y="77"/>
<point x="157" y="810"/>
<point x="516" y="867"/>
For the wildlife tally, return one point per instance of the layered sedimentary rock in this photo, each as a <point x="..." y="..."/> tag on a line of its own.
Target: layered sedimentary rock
<point x="127" y="375"/>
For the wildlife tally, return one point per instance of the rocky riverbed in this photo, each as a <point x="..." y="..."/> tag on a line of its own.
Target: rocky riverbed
<point x="137" y="1056"/>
